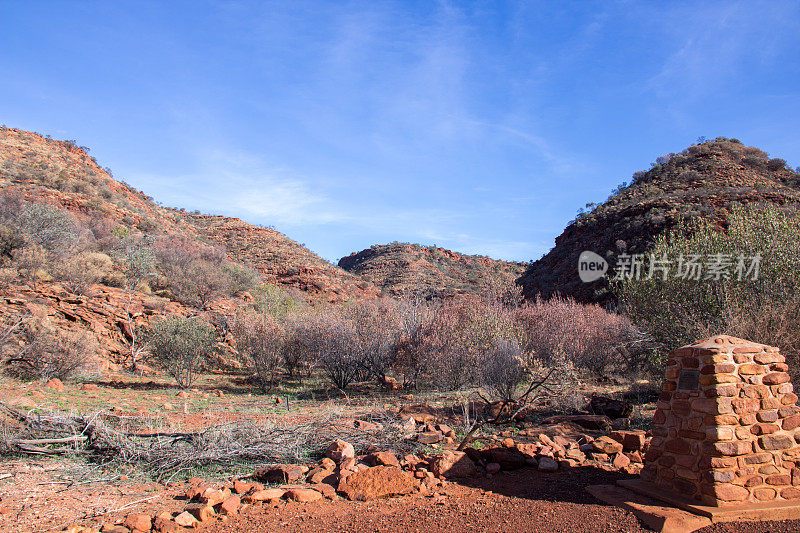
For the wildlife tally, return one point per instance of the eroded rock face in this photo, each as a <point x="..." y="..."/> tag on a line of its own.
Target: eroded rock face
<point x="378" y="482"/>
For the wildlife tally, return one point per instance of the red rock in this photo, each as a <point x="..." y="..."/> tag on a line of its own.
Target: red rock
<point x="326" y="490"/>
<point x="186" y="519"/>
<point x="730" y="493"/>
<point x="240" y="487"/>
<point x="607" y="445"/>
<point x="303" y="495"/>
<point x="632" y="441"/>
<point x="340" y="450"/>
<point x="429" y="437"/>
<point x="138" y="522"/>
<point x="621" y="461"/>
<point x="265" y="495"/>
<point x="280" y="474"/>
<point x="230" y="506"/>
<point x="89" y="387"/>
<point x="775" y="378"/>
<point x="212" y="496"/>
<point x="382" y="458"/>
<point x="377" y="482"/>
<point x="55" y="384"/>
<point x="453" y="464"/>
<point x="201" y="511"/>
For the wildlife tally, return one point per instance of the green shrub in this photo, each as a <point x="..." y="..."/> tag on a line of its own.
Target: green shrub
<point x="679" y="311"/>
<point x="180" y="346"/>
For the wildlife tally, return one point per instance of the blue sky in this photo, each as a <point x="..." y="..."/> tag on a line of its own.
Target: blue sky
<point x="476" y="126"/>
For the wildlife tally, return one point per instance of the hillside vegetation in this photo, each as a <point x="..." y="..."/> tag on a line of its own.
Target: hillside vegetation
<point x="703" y="182"/>
<point x="402" y="268"/>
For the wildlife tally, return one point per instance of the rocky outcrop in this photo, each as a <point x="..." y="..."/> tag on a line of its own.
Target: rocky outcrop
<point x="400" y="269"/>
<point x="705" y="181"/>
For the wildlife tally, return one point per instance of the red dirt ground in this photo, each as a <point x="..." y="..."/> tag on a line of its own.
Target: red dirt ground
<point x="523" y="500"/>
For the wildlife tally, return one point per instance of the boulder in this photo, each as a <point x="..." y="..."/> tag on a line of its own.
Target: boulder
<point x="632" y="441"/>
<point x="186" y="519"/>
<point x="303" y="495"/>
<point x="607" y="445"/>
<point x="382" y="458"/>
<point x="230" y="506"/>
<point x="280" y="473"/>
<point x="507" y="458"/>
<point x="548" y="464"/>
<point x="493" y="468"/>
<point x="340" y="450"/>
<point x="453" y="465"/>
<point x="201" y="511"/>
<point x="138" y="522"/>
<point x="265" y="495"/>
<point x="429" y="437"/>
<point x="377" y="482"/>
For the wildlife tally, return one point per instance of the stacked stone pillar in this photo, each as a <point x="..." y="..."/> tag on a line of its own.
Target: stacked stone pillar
<point x="726" y="425"/>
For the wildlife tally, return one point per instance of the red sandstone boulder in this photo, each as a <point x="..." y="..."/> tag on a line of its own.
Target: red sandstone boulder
<point x="377" y="482"/>
<point x="607" y="445"/>
<point x="382" y="458"/>
<point x="453" y="465"/>
<point x="340" y="450"/>
<point x="138" y="522"/>
<point x="303" y="495"/>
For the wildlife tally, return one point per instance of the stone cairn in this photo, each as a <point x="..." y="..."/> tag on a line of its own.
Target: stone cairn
<point x="725" y="428"/>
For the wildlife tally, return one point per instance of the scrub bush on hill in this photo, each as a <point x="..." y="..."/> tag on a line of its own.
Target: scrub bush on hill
<point x="676" y="311"/>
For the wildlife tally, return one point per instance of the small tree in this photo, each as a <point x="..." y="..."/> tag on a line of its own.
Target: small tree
<point x="502" y="370"/>
<point x="260" y="338"/>
<point x="180" y="346"/>
<point x="338" y="354"/>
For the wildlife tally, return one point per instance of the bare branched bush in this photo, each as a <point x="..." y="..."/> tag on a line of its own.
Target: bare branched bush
<point x="196" y="273"/>
<point x="587" y="335"/>
<point x="376" y="327"/>
<point x="502" y="370"/>
<point x="180" y="346"/>
<point x="47" y="353"/>
<point x="415" y="316"/>
<point x="339" y="352"/>
<point x="260" y="338"/>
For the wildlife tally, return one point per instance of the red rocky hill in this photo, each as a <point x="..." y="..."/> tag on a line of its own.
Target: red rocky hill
<point x="705" y="181"/>
<point x="401" y="268"/>
<point x="60" y="173"/>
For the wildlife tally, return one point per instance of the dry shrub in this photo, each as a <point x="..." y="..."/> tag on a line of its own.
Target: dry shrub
<point x="459" y="336"/>
<point x="180" y="346"/>
<point x="81" y="271"/>
<point x="376" y="326"/>
<point x="338" y="350"/>
<point x="260" y="338"/>
<point x="195" y="273"/>
<point x="49" y="353"/>
<point x="587" y="335"/>
<point x="303" y="340"/>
